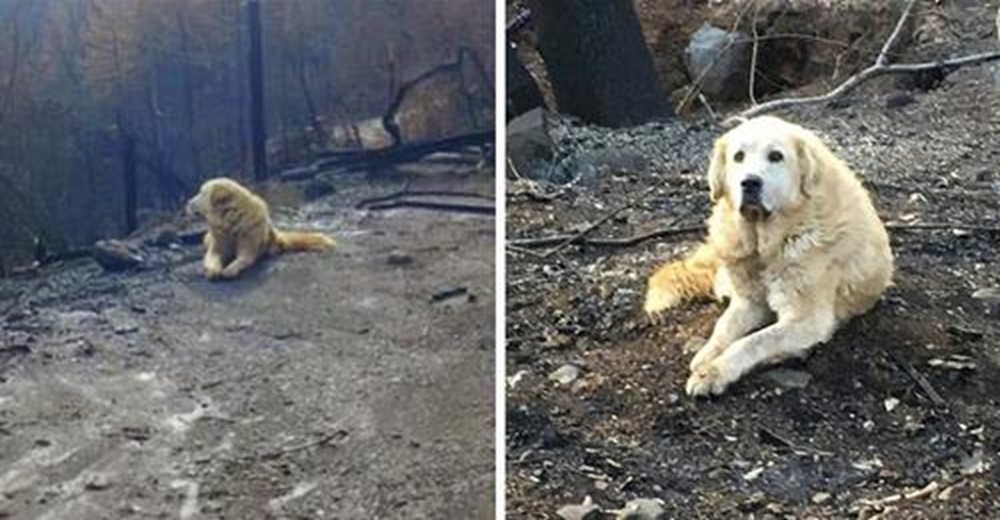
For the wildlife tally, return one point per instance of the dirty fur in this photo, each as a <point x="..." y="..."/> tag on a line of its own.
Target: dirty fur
<point x="240" y="231"/>
<point x="818" y="257"/>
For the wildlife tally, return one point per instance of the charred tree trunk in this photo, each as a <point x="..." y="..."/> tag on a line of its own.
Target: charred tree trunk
<point x="189" y="96"/>
<point x="130" y="181"/>
<point x="523" y="93"/>
<point x="258" y="136"/>
<point x="599" y="65"/>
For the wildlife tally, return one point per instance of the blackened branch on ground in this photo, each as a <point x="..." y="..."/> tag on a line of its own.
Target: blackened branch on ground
<point x="586" y="230"/>
<point x="524" y="245"/>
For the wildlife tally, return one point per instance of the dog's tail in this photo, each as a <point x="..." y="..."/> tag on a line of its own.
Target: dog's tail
<point x="301" y="241"/>
<point x="687" y="279"/>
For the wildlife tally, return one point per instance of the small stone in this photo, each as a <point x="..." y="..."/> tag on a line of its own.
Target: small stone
<point x="565" y="374"/>
<point x="97" y="482"/>
<point x="890" y="404"/>
<point x="398" y="259"/>
<point x="789" y="378"/>
<point x="126" y="328"/>
<point x="953" y="362"/>
<point x="989" y="295"/>
<point x="973" y="464"/>
<point x="753" y="474"/>
<point x="641" y="509"/>
<point x="585" y="511"/>
<point x="513" y="380"/>
<point x="821" y="498"/>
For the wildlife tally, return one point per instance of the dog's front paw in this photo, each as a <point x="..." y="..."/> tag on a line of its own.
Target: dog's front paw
<point x="229" y="273"/>
<point x="213" y="273"/>
<point x="708" y="378"/>
<point x="706" y="353"/>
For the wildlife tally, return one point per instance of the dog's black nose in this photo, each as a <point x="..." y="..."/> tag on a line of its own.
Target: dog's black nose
<point x="752" y="184"/>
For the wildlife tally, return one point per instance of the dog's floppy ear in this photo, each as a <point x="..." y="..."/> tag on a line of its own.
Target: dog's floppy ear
<point x="717" y="170"/>
<point x="806" y="147"/>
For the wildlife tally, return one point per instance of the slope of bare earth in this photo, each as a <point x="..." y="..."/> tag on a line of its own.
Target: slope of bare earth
<point x="855" y="422"/>
<point x="332" y="385"/>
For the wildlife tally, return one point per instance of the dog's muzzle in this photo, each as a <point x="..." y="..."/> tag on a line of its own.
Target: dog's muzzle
<point x="751" y="206"/>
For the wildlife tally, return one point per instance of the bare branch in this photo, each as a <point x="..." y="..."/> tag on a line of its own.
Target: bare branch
<point x="883" y="55"/>
<point x="879" y="68"/>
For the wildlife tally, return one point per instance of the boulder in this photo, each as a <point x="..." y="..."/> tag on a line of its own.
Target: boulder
<point x="529" y="144"/>
<point x="722" y="60"/>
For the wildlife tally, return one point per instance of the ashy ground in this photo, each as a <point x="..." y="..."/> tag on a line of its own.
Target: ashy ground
<point x="351" y="384"/>
<point x="902" y="401"/>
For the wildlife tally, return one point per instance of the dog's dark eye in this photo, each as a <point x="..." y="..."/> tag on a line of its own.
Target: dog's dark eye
<point x="775" y="156"/>
<point x="739" y="156"/>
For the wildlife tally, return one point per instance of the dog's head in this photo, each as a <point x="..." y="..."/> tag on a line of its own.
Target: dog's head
<point x="764" y="166"/>
<point x="213" y="197"/>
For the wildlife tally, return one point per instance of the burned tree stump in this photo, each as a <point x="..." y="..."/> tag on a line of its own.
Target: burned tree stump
<point x="523" y="93"/>
<point x="599" y="65"/>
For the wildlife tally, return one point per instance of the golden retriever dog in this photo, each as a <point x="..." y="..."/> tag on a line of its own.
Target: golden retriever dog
<point x="794" y="243"/>
<point x="240" y="230"/>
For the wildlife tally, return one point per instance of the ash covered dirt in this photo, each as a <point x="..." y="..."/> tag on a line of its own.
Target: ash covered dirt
<point x="811" y="439"/>
<point x="326" y="385"/>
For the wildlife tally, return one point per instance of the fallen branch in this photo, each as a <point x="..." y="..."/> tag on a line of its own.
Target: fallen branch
<point x="325" y="439"/>
<point x="606" y="241"/>
<point x="586" y="230"/>
<point x="879" y="68"/>
<point x="933" y="226"/>
<point x="436" y="206"/>
<point x="402" y="194"/>
<point x="522" y="244"/>
<point x="921" y="381"/>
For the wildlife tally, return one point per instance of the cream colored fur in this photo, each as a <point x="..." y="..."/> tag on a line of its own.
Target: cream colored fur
<point x="819" y="258"/>
<point x="240" y="230"/>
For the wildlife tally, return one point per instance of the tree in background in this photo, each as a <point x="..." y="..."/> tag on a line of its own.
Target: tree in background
<point x="598" y="62"/>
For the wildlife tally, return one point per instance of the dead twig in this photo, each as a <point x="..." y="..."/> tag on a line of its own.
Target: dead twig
<point x="435" y="206"/>
<point x="937" y="225"/>
<point x="402" y="194"/>
<point x="753" y="57"/>
<point x="324" y="439"/>
<point x="921" y="381"/>
<point x="879" y="68"/>
<point x="586" y="230"/>
<point x="525" y="245"/>
<point x="522" y="245"/>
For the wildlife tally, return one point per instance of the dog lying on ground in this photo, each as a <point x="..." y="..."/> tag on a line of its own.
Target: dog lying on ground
<point x="240" y="230"/>
<point x="794" y="243"/>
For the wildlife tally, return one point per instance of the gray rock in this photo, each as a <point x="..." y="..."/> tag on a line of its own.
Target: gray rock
<point x="789" y="378"/>
<point x="116" y="256"/>
<point x="565" y="374"/>
<point x="641" y="509"/>
<point x="722" y="60"/>
<point x="585" y="511"/>
<point x="529" y="145"/>
<point x="989" y="295"/>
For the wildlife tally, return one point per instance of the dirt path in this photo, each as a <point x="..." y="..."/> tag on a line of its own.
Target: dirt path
<point x="815" y="439"/>
<point x="318" y="386"/>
